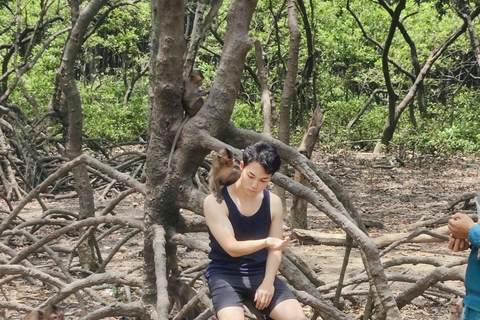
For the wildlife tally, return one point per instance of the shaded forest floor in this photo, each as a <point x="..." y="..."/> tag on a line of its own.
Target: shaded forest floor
<point x="381" y="189"/>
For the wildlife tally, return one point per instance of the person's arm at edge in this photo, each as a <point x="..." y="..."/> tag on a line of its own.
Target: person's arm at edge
<point x="459" y="226"/>
<point x="474" y="235"/>
<point x="221" y="228"/>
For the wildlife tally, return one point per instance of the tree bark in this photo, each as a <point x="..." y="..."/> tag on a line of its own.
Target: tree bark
<point x="299" y="205"/>
<point x="288" y="91"/>
<point x="165" y="97"/>
<point x="75" y="118"/>
<point x="266" y="94"/>
<point x="392" y="96"/>
<point x="422" y="103"/>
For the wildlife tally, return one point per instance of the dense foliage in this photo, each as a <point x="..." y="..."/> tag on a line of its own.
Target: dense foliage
<point x="339" y="69"/>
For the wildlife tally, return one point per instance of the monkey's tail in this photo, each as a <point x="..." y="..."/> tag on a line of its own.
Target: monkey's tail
<point x="174" y="144"/>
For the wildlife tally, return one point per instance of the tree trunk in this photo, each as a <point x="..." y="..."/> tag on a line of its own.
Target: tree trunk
<point x="392" y="96"/>
<point x="266" y="94"/>
<point x="288" y="88"/>
<point x="9" y="182"/>
<point x="299" y="205"/>
<point x="422" y="102"/>
<point x="165" y="102"/>
<point x="75" y="118"/>
<point x="170" y="190"/>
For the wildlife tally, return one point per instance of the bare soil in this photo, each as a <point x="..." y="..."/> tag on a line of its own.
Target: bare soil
<point x="380" y="188"/>
<point x="396" y="196"/>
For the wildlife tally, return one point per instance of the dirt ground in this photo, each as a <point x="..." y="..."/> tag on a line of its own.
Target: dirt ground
<point x="397" y="196"/>
<point x="380" y="188"/>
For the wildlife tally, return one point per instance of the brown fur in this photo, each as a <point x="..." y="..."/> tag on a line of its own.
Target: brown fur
<point x="179" y="294"/>
<point x="192" y="99"/>
<point x="49" y="312"/>
<point x="192" y="102"/>
<point x="224" y="172"/>
<point x="455" y="309"/>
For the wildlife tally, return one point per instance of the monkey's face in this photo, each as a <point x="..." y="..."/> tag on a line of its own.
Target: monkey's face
<point x="55" y="316"/>
<point x="225" y="158"/>
<point x="225" y="162"/>
<point x="254" y="178"/>
<point x="197" y="80"/>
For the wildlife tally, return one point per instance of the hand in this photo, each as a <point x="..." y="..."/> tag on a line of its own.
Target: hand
<point x="458" y="244"/>
<point x="276" y="243"/>
<point x="264" y="295"/>
<point x="459" y="225"/>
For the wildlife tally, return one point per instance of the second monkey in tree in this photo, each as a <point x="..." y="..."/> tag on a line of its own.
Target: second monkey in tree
<point x="192" y="102"/>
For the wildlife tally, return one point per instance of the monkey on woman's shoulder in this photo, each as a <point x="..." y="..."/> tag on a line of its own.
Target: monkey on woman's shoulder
<point x="224" y="172"/>
<point x="192" y="99"/>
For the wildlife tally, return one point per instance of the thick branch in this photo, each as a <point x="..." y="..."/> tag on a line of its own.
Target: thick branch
<point x="133" y="309"/>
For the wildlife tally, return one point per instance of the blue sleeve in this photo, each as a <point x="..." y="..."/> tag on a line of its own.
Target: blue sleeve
<point x="474" y="235"/>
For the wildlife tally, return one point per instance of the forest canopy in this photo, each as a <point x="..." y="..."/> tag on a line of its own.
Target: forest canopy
<point x="340" y="69"/>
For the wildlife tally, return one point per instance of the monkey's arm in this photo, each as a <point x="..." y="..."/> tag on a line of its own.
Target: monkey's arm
<point x="222" y="230"/>
<point x="215" y="188"/>
<point x="34" y="315"/>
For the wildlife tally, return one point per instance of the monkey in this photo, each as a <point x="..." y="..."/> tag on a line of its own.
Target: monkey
<point x="224" y="172"/>
<point x="179" y="294"/>
<point x="49" y="312"/>
<point x="192" y="102"/>
<point x="402" y="155"/>
<point x="455" y="309"/>
<point x="192" y="99"/>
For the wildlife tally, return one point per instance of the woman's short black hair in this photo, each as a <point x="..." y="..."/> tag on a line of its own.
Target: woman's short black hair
<point x="264" y="153"/>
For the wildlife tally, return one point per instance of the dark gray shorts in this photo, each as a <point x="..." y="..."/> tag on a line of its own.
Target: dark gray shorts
<point x="229" y="290"/>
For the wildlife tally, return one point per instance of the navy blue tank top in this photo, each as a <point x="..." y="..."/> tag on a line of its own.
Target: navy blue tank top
<point x="252" y="227"/>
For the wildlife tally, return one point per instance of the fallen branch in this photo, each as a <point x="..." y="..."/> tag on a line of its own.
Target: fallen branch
<point x="115" y="249"/>
<point x="188" y="241"/>
<point x="303" y="267"/>
<point x="76" y="225"/>
<point x="119" y="278"/>
<point x="15" y="306"/>
<point x="133" y="309"/>
<point x="463" y="198"/>
<point x="295" y="277"/>
<point x="317" y="304"/>
<point x="191" y="304"/>
<point x="316" y="237"/>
